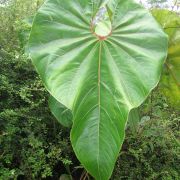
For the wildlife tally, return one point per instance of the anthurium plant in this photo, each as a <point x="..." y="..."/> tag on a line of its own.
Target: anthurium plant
<point x="98" y="60"/>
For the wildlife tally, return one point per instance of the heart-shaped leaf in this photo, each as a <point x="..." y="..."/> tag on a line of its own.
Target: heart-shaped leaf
<point x="99" y="78"/>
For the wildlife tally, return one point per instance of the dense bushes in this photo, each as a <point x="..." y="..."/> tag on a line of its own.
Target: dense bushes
<point x="153" y="151"/>
<point x="34" y="146"/>
<point x="31" y="141"/>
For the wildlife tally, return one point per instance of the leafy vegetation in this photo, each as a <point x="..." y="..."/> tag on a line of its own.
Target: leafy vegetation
<point x="33" y="145"/>
<point x="90" y="71"/>
<point x="170" y="83"/>
<point x="153" y="151"/>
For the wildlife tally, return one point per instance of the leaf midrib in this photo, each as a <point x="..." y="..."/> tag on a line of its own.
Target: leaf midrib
<point x="99" y="99"/>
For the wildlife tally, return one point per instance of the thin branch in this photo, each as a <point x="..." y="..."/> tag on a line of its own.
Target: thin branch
<point x="82" y="175"/>
<point x="86" y="176"/>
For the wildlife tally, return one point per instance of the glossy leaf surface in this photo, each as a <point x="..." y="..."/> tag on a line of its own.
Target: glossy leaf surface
<point x="99" y="79"/>
<point x="61" y="113"/>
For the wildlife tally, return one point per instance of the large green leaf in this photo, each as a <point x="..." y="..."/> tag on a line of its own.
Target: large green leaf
<point x="60" y="112"/>
<point x="170" y="84"/>
<point x="99" y="79"/>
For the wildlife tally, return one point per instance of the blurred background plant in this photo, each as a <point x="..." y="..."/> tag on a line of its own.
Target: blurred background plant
<point x="162" y="4"/>
<point x="33" y="145"/>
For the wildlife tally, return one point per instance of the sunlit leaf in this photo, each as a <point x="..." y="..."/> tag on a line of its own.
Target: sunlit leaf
<point x="170" y="84"/>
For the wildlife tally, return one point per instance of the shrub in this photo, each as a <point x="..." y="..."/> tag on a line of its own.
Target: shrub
<point x="34" y="146"/>
<point x="152" y="152"/>
<point x="31" y="141"/>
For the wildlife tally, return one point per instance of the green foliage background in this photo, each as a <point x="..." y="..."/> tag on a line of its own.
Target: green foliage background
<point x="33" y="145"/>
